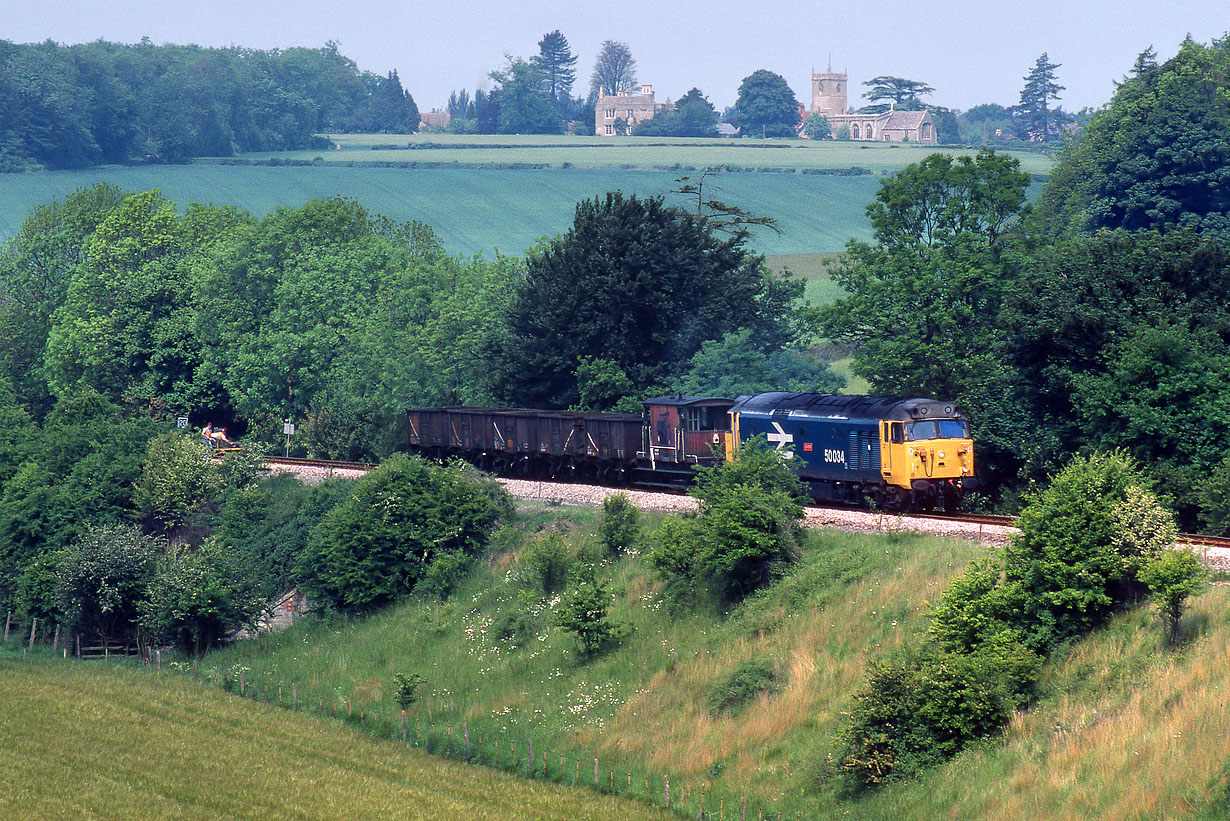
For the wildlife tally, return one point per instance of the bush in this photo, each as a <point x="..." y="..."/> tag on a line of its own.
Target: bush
<point x="445" y="573"/>
<point x="923" y="707"/>
<point x="620" y="526"/>
<point x="375" y="545"/>
<point x="583" y="612"/>
<point x="102" y="579"/>
<point x="548" y="562"/>
<point x="178" y="479"/>
<point x="1172" y="577"/>
<point x="744" y="684"/>
<point x="1080" y="549"/>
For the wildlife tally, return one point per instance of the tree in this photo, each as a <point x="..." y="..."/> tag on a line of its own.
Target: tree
<point x="1034" y="107"/>
<point x="902" y="93"/>
<point x="178" y="479"/>
<point x="693" y="116"/>
<point x="816" y="127"/>
<point x="923" y="300"/>
<point x="734" y="366"/>
<point x="583" y="612"/>
<point x="766" y="106"/>
<point x="557" y="65"/>
<point x="103" y="577"/>
<point x="374" y="546"/>
<point x="392" y="108"/>
<point x="640" y="284"/>
<point x="525" y="106"/>
<point x="197" y="596"/>
<point x="1173" y="577"/>
<point x="1155" y="157"/>
<point x="1097" y="313"/>
<point x="614" y="70"/>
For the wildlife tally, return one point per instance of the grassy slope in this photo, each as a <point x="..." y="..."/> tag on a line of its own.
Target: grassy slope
<point x="640" y="713"/>
<point x="99" y="741"/>
<point x="1121" y="729"/>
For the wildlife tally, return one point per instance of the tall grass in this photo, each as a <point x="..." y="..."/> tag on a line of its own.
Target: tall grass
<point x="641" y="708"/>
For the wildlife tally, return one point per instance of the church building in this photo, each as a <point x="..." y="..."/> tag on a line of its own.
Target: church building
<point x="829" y="99"/>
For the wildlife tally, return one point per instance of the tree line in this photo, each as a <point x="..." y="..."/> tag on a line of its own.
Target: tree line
<point x="1090" y="319"/>
<point x="101" y="102"/>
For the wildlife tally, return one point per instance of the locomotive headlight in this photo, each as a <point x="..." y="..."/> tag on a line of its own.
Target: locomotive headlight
<point x="940" y="454"/>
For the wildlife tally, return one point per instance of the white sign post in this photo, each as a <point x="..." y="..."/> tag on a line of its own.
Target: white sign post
<point x="288" y="428"/>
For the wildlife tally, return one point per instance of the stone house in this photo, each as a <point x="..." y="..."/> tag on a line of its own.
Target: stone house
<point x="626" y="106"/>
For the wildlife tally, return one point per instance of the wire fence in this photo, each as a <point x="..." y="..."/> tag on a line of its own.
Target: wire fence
<point x="472" y="743"/>
<point x="480" y="745"/>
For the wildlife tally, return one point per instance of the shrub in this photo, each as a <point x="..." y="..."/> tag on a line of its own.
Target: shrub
<point x="548" y="562"/>
<point x="103" y="577"/>
<point x="1075" y="560"/>
<point x="925" y="706"/>
<point x="1172" y="577"/>
<point x="405" y="689"/>
<point x="583" y="612"/>
<point x="375" y="545"/>
<point x="742" y="685"/>
<point x="620" y="526"/>
<point x="178" y="479"/>
<point x="445" y="573"/>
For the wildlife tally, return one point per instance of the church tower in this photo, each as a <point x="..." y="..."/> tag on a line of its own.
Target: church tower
<point x="828" y="93"/>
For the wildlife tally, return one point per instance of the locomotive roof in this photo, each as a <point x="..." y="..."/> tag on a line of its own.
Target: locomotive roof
<point x="902" y="408"/>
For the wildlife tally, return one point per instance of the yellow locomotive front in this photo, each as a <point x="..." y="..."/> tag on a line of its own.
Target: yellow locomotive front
<point x="929" y="461"/>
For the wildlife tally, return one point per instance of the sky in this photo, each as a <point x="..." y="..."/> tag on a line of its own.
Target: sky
<point x="969" y="51"/>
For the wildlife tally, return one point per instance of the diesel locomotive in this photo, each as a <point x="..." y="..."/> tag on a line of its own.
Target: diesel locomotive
<point x="896" y="452"/>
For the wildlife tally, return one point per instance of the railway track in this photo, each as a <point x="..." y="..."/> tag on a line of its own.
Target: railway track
<point x="328" y="465"/>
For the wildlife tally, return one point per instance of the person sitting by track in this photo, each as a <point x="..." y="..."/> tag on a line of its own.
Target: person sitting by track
<point x="207" y="435"/>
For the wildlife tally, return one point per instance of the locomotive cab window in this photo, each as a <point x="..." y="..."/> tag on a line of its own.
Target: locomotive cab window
<point x="937" y="429"/>
<point x="898" y="432"/>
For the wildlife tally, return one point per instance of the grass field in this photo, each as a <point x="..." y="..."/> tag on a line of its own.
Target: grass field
<point x="485" y="207"/>
<point x="1121" y="729"/>
<point x="98" y="741"/>
<point x="635" y="152"/>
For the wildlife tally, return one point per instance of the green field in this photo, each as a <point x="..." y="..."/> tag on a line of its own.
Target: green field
<point x="485" y="206"/>
<point x="96" y="741"/>
<point x="634" y="152"/>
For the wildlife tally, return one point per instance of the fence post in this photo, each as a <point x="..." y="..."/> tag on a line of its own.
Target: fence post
<point x="529" y="756"/>
<point x="743" y="808"/>
<point x="8" y="622"/>
<point x="78" y="638"/>
<point x="241" y="686"/>
<point x="55" y="642"/>
<point x="465" y="729"/>
<point x="33" y="631"/>
<point x="666" y="790"/>
<point x="294" y="695"/>
<point x="595" y="772"/>
<point x="159" y="653"/>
